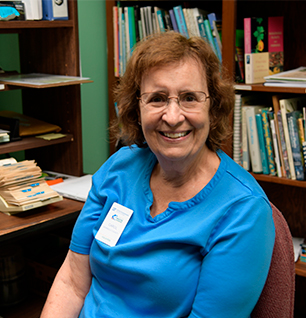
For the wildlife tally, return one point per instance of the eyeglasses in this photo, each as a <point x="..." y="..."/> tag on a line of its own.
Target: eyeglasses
<point x="188" y="101"/>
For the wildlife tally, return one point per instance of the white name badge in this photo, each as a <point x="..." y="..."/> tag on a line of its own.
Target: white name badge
<point x="114" y="224"/>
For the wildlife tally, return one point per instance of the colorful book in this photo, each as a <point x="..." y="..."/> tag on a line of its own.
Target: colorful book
<point x="268" y="140"/>
<point x="212" y="21"/>
<point x="116" y="40"/>
<point x="275" y="44"/>
<point x="262" y="144"/>
<point x="181" y="23"/>
<point x="283" y="146"/>
<point x="173" y="20"/>
<point x="244" y="141"/>
<point x="237" y="130"/>
<point x="295" y="144"/>
<point x="254" y="147"/>
<point x="276" y="150"/>
<point x="256" y="55"/>
<point x="201" y="27"/>
<point x="209" y="35"/>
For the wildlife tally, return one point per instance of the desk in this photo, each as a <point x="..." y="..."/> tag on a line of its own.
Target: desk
<point x="33" y="222"/>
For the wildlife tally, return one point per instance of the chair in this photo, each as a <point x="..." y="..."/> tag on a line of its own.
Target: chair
<point x="277" y="297"/>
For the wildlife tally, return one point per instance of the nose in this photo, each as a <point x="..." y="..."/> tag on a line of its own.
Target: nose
<point x="173" y="114"/>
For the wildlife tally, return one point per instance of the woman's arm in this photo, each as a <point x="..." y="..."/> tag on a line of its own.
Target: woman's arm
<point x="71" y="285"/>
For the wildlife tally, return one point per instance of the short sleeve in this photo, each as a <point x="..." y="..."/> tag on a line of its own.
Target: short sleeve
<point x="236" y="261"/>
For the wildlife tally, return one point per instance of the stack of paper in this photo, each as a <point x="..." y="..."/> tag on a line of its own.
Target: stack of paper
<point x="292" y="78"/>
<point x="21" y="186"/>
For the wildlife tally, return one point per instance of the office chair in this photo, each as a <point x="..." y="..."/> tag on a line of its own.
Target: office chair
<point x="277" y="297"/>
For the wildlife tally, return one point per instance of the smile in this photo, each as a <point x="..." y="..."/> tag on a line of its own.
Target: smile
<point x="175" y="135"/>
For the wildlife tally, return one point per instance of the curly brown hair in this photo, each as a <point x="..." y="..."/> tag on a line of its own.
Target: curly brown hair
<point x="164" y="49"/>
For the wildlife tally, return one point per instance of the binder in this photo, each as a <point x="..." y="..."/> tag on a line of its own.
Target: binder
<point x="55" y="9"/>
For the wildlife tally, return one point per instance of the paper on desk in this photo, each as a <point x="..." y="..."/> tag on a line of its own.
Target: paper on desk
<point x="76" y="188"/>
<point x="297" y="241"/>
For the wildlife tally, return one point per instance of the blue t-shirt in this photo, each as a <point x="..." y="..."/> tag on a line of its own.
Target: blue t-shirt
<point x="205" y="257"/>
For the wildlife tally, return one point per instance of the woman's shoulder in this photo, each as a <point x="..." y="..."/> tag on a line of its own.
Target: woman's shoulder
<point x="128" y="158"/>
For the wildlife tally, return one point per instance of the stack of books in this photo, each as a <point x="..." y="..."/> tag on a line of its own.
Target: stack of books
<point x="132" y="24"/>
<point x="22" y="187"/>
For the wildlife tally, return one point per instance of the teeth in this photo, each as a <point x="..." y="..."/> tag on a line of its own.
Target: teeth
<point x="175" y="135"/>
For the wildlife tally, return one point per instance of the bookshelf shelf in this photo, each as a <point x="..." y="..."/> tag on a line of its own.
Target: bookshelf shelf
<point x="269" y="89"/>
<point x="20" y="25"/>
<point x="31" y="143"/>
<point x="300" y="268"/>
<point x="285" y="181"/>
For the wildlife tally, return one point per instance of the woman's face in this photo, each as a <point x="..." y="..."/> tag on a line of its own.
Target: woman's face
<point x="173" y="133"/>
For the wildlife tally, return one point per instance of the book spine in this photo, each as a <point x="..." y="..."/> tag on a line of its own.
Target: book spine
<point x="262" y="144"/>
<point x="212" y="21"/>
<point x="253" y="140"/>
<point x="245" y="142"/>
<point x="124" y="49"/>
<point x="295" y="145"/>
<point x="287" y="139"/>
<point x="160" y="21"/>
<point x="304" y="154"/>
<point x="247" y="35"/>
<point x="209" y="35"/>
<point x="181" y="23"/>
<point x="143" y="22"/>
<point x="237" y="129"/>
<point x="283" y="145"/>
<point x="276" y="44"/>
<point x="173" y="20"/>
<point x="276" y="150"/>
<point x="201" y="28"/>
<point x="268" y="140"/>
<point x="116" y="40"/>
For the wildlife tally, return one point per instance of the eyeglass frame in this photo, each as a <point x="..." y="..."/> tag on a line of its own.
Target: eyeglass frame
<point x="171" y="97"/>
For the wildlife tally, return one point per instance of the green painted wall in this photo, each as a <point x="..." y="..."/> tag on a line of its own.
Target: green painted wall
<point x="94" y="96"/>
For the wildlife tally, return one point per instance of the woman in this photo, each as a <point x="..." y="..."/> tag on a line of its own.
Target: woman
<point x="191" y="233"/>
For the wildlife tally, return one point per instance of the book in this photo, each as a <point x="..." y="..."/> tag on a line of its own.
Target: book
<point x="244" y="141"/>
<point x="116" y="40"/>
<point x="239" y="56"/>
<point x="276" y="149"/>
<point x="201" y="27"/>
<point x="237" y="130"/>
<point x="275" y="44"/>
<point x="268" y="140"/>
<point x="295" y="144"/>
<point x="173" y="20"/>
<point x="216" y="37"/>
<point x="255" y="156"/>
<point x="180" y="19"/>
<point x="160" y="19"/>
<point x="256" y="55"/>
<point x="52" y="10"/>
<point x="281" y="146"/>
<point x="288" y="105"/>
<point x="210" y="36"/>
<point x="292" y="76"/>
<point x="262" y="144"/>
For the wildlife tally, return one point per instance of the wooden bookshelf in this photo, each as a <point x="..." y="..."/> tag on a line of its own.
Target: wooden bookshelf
<point x="48" y="47"/>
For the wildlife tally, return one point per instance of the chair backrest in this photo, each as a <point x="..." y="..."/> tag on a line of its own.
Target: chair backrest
<point x="277" y="297"/>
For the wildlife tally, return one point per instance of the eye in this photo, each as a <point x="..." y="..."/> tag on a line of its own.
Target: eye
<point x="157" y="98"/>
<point x="188" y="97"/>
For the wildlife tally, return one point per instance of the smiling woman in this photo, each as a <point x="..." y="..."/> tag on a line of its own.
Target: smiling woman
<point x="188" y="211"/>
